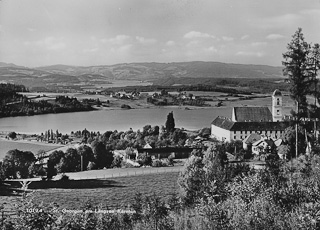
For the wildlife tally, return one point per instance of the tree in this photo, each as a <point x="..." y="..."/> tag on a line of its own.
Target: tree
<point x="16" y="163"/>
<point x="315" y="66"/>
<point x="12" y="135"/>
<point x="70" y="162"/>
<point x="54" y="159"/>
<point x="102" y="156"/>
<point x="289" y="138"/>
<point x="170" y="125"/>
<point x="191" y="180"/>
<point x="87" y="155"/>
<point x="298" y="69"/>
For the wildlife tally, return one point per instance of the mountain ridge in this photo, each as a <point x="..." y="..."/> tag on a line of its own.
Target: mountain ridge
<point x="153" y="72"/>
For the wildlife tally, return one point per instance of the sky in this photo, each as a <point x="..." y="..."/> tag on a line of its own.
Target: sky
<point x="104" y="32"/>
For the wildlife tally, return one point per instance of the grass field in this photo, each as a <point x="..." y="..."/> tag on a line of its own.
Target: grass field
<point x="111" y="193"/>
<point x="5" y="146"/>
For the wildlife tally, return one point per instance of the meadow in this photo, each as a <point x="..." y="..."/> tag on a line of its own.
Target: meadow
<point x="6" y="145"/>
<point x="109" y="193"/>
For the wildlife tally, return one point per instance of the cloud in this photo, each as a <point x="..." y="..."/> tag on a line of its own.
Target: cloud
<point x="252" y="54"/>
<point x="90" y="50"/>
<point x="227" y="39"/>
<point x="144" y="40"/>
<point x="212" y="49"/>
<point x="244" y="37"/>
<point x="274" y="36"/>
<point x="49" y="43"/>
<point x="31" y="29"/>
<point x="117" y="40"/>
<point x="122" y="49"/>
<point x="279" y="22"/>
<point x="170" y="43"/>
<point x="193" y="43"/>
<point x="259" y="43"/>
<point x="196" y="34"/>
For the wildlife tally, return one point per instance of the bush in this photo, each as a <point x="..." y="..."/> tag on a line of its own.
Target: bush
<point x="170" y="160"/>
<point x="124" y="106"/>
<point x="64" y="177"/>
<point x="144" y="159"/>
<point x="91" y="165"/>
<point x="12" y="135"/>
<point x="117" y="162"/>
<point x="157" y="163"/>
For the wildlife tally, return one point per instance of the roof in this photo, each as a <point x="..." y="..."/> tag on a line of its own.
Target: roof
<point x="260" y="126"/>
<point x="223" y="122"/>
<point x="253" y="137"/>
<point x="277" y="93"/>
<point x="226" y="123"/>
<point x="167" y="150"/>
<point x="252" y="114"/>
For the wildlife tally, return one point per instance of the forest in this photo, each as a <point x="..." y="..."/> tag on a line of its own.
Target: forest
<point x="14" y="104"/>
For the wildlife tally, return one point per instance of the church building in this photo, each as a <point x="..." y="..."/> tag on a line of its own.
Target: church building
<point x="247" y="120"/>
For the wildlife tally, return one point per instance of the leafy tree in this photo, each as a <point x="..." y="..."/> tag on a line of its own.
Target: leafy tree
<point x="70" y="162"/>
<point x="12" y="135"/>
<point x="170" y="124"/>
<point x="289" y="138"/>
<point x="102" y="156"/>
<point x="191" y="180"/>
<point x="298" y="69"/>
<point x="144" y="159"/>
<point x="16" y="163"/>
<point x="117" y="161"/>
<point x="86" y="153"/>
<point x="54" y="159"/>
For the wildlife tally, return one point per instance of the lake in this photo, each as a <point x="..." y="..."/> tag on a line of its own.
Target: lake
<point x="122" y="120"/>
<point x="103" y="120"/>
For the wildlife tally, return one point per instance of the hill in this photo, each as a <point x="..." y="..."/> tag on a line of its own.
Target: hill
<point x="59" y="77"/>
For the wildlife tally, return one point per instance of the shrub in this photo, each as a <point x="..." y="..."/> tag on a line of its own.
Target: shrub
<point x="170" y="160"/>
<point x="144" y="159"/>
<point x="12" y="135"/>
<point x="117" y="162"/>
<point x="156" y="163"/>
<point x="91" y="165"/>
<point x="64" y="177"/>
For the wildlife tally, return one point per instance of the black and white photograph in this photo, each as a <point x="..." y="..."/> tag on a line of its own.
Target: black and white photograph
<point x="159" y="114"/>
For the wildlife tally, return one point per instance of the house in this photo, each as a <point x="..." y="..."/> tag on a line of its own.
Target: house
<point x="245" y="121"/>
<point x="262" y="145"/>
<point x="249" y="140"/>
<point x="158" y="153"/>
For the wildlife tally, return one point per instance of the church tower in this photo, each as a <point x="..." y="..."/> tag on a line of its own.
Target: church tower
<point x="277" y="105"/>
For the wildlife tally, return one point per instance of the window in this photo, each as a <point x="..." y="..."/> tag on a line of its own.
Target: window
<point x="241" y="132"/>
<point x="241" y="137"/>
<point x="234" y="132"/>
<point x="278" y="101"/>
<point x="245" y="132"/>
<point x="278" y="111"/>
<point x="235" y="137"/>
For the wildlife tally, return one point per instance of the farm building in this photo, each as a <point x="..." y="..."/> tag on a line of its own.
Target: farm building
<point x="159" y="153"/>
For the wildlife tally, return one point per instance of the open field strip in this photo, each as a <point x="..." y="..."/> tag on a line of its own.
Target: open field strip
<point x="34" y="147"/>
<point x="116" y="172"/>
<point x="110" y="193"/>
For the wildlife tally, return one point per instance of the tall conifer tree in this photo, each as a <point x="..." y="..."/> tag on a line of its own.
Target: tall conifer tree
<point x="298" y="69"/>
<point x="170" y="125"/>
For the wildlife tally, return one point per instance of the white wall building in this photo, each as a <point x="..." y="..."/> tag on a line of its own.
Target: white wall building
<point x="247" y="120"/>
